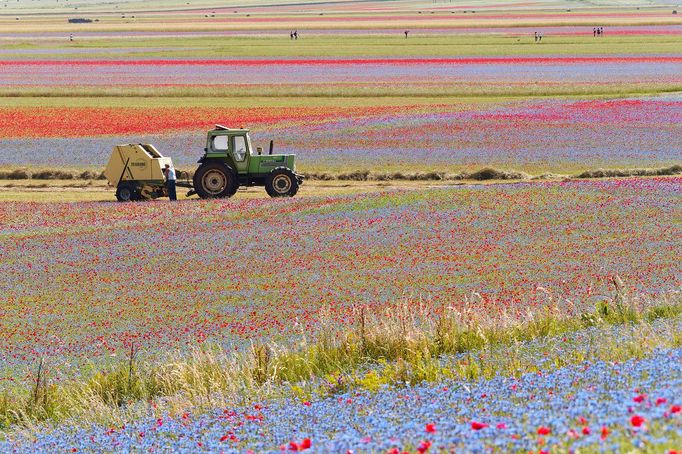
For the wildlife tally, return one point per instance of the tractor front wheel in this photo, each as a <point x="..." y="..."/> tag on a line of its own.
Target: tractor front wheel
<point x="126" y="193"/>
<point x="215" y="180"/>
<point x="281" y="183"/>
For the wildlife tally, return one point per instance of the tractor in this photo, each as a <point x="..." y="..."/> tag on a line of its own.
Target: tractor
<point x="229" y="161"/>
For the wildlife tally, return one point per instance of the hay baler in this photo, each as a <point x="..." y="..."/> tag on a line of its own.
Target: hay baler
<point x="136" y="171"/>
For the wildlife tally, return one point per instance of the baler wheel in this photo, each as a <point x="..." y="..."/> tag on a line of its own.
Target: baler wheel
<point x="126" y="193"/>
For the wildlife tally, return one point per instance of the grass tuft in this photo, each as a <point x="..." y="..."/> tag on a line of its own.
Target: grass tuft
<point x="406" y="342"/>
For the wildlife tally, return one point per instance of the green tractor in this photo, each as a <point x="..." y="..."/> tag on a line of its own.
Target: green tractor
<point x="230" y="161"/>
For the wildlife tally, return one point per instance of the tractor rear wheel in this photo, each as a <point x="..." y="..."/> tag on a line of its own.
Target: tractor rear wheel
<point x="126" y="193"/>
<point x="215" y="180"/>
<point x="281" y="183"/>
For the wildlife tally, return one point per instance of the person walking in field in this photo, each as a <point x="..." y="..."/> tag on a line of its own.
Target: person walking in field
<point x="291" y="35"/>
<point x="169" y="172"/>
<point x="536" y="36"/>
<point x="594" y="31"/>
<point x="406" y="32"/>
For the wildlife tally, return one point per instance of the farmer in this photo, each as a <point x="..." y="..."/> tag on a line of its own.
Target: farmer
<point x="169" y="172"/>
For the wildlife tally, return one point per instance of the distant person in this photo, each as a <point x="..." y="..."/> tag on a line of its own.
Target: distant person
<point x="406" y="32"/>
<point x="295" y="34"/>
<point x="169" y="173"/>
<point x="536" y="36"/>
<point x="601" y="31"/>
<point x="71" y="37"/>
<point x="291" y="34"/>
<point x="539" y="36"/>
<point x="594" y="31"/>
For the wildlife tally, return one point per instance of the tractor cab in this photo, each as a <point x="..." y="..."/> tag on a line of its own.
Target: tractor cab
<point x="231" y="161"/>
<point x="233" y="145"/>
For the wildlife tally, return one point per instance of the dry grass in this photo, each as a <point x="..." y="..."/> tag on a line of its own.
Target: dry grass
<point x="408" y="341"/>
<point x="50" y="174"/>
<point x="614" y="173"/>
<point x="484" y="174"/>
<point x="23" y="185"/>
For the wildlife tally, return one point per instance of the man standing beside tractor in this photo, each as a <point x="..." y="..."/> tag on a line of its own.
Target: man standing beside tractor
<point x="169" y="173"/>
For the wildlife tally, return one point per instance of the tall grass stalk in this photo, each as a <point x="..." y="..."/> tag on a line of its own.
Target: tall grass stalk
<point x="403" y="343"/>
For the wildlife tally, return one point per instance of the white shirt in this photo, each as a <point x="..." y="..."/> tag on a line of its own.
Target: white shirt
<point x="170" y="175"/>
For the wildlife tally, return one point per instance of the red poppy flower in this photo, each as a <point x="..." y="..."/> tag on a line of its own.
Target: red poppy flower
<point x="542" y="430"/>
<point x="637" y="420"/>
<point x="586" y="430"/>
<point x="475" y="425"/>
<point x="306" y="444"/>
<point x="423" y="446"/>
<point x="430" y="428"/>
<point x="675" y="409"/>
<point x="604" y="432"/>
<point x="639" y="399"/>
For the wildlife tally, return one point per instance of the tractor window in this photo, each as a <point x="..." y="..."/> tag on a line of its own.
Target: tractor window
<point x="239" y="150"/>
<point x="220" y="143"/>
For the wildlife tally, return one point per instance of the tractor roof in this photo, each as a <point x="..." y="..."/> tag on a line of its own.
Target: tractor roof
<point x="225" y="128"/>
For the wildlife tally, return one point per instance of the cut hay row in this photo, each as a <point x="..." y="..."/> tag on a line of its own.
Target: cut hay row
<point x="485" y="174"/>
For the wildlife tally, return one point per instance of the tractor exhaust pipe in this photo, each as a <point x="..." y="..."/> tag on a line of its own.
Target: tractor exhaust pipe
<point x="272" y="145"/>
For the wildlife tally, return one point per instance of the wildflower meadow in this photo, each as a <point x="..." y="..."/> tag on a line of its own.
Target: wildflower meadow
<point x="484" y="254"/>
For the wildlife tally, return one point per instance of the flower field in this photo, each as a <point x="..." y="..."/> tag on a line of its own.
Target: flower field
<point x="535" y="136"/>
<point x="565" y="69"/>
<point x="133" y="269"/>
<point x="633" y="405"/>
<point x="114" y="275"/>
<point x="377" y="311"/>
